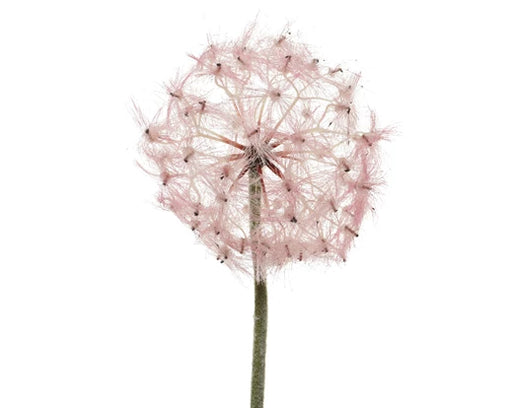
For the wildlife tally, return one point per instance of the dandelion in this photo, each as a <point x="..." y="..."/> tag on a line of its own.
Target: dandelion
<point x="258" y="150"/>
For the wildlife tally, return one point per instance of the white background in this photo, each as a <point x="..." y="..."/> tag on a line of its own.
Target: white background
<point x="108" y="301"/>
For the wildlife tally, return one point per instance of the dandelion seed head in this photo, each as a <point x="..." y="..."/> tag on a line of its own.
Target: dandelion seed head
<point x="267" y="103"/>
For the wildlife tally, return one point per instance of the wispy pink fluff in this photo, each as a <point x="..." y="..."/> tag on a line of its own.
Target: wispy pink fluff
<point x="265" y="98"/>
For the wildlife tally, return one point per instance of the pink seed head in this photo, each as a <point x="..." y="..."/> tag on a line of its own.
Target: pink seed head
<point x="265" y="102"/>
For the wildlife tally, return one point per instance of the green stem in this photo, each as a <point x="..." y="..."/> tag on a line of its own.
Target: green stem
<point x="260" y="292"/>
<point x="259" y="345"/>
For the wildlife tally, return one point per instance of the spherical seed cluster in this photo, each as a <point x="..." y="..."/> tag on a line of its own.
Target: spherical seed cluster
<point x="265" y="105"/>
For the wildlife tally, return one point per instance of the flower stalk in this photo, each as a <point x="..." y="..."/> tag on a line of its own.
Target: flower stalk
<point x="260" y="290"/>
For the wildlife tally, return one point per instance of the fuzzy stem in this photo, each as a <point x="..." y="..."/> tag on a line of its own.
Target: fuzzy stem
<point x="260" y="292"/>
